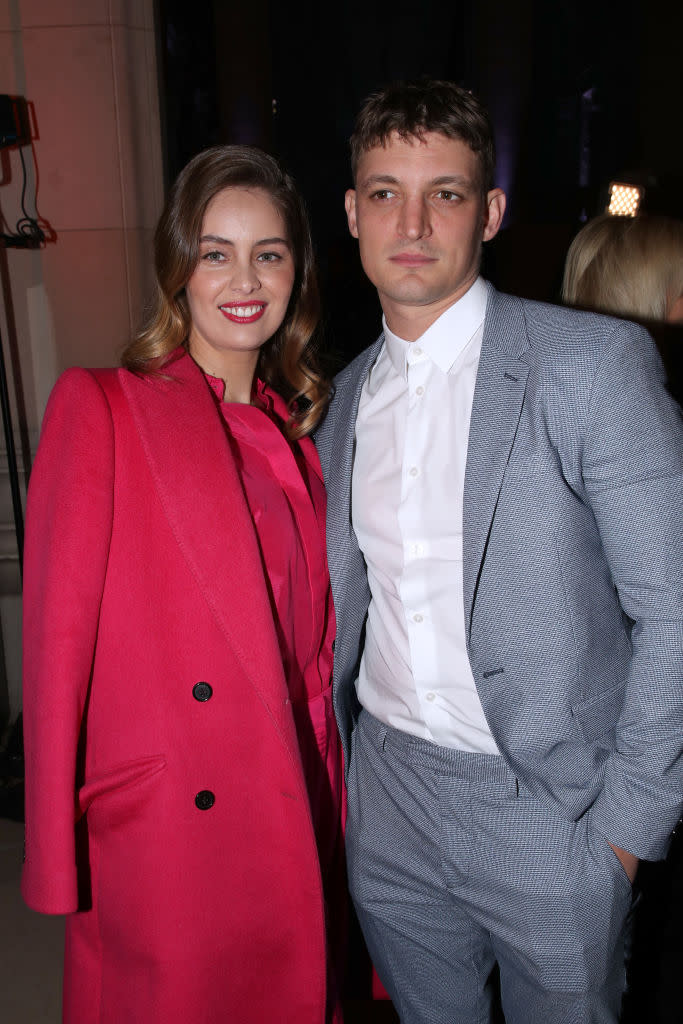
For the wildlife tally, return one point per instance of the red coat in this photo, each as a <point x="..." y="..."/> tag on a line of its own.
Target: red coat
<point x="142" y="579"/>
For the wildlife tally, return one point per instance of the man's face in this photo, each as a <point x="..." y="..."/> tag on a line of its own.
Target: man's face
<point x="420" y="218"/>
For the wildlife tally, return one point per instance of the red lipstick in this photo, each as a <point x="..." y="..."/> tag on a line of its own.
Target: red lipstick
<point x="252" y="311"/>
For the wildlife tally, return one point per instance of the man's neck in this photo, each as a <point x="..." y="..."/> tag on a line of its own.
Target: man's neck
<point x="410" y="322"/>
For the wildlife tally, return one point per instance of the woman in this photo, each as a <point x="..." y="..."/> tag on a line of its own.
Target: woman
<point x="178" y="634"/>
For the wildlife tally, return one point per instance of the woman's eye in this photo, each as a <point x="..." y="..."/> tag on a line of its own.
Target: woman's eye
<point x="213" y="257"/>
<point x="269" y="257"/>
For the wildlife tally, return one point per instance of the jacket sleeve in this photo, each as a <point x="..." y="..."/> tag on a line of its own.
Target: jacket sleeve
<point x="68" y="529"/>
<point x="633" y="475"/>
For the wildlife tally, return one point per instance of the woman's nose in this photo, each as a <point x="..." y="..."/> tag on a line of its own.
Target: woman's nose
<point x="245" y="277"/>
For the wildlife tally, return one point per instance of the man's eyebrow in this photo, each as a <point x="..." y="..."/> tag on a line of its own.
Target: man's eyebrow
<point x="458" y="180"/>
<point x="378" y="179"/>
<point x="217" y="239"/>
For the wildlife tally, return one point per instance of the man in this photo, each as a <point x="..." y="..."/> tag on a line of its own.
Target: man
<point x="505" y="545"/>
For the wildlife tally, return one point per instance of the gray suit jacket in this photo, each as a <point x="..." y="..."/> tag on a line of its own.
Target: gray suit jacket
<point x="573" y="563"/>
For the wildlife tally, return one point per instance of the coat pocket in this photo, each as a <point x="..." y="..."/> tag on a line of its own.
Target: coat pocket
<point x="118" y="778"/>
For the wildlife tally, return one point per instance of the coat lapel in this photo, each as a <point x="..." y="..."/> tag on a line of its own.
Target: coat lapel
<point x="184" y="440"/>
<point x="496" y="409"/>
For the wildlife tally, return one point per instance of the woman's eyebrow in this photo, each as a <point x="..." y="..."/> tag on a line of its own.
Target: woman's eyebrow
<point x="226" y="241"/>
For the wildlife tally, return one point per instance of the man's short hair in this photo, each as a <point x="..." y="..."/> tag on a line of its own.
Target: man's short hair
<point x="414" y="108"/>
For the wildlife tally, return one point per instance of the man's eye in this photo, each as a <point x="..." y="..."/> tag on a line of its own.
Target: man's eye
<point x="447" y="195"/>
<point x="383" y="193"/>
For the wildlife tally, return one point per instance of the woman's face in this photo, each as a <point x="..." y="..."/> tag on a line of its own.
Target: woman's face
<point x="239" y="291"/>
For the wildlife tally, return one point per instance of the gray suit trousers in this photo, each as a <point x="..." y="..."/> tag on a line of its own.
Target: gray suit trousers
<point x="453" y="866"/>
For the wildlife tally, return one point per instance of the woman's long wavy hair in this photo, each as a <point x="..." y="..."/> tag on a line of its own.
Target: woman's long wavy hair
<point x="288" y="361"/>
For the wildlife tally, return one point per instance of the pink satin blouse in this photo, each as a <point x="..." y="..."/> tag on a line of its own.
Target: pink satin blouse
<point x="286" y="498"/>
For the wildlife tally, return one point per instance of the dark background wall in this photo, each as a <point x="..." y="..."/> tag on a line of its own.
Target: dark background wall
<point x="581" y="92"/>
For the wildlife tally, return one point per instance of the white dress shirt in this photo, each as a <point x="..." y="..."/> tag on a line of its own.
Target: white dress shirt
<point x="407" y="494"/>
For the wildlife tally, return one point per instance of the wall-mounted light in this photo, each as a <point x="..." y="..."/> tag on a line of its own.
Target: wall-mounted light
<point x="624" y="200"/>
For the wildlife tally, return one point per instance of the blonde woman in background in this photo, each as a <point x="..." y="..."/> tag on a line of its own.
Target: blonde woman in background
<point x="629" y="267"/>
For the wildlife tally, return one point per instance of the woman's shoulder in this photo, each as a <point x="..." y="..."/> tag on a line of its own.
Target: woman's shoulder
<point x="85" y="381"/>
<point x="88" y="377"/>
<point x="87" y="390"/>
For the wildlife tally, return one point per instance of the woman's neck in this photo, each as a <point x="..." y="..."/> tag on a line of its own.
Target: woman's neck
<point x="236" y="369"/>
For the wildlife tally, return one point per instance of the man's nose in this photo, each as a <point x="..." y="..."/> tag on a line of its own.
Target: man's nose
<point x="414" y="221"/>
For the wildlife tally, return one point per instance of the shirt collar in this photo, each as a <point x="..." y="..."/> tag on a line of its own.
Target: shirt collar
<point x="448" y="335"/>
<point x="266" y="397"/>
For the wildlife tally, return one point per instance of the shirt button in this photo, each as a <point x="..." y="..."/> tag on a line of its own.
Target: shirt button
<point x="430" y="697"/>
<point x="417" y="350"/>
<point x="414" y="470"/>
<point x="202" y="691"/>
<point x="417" y="617"/>
<point x="205" y="799"/>
<point x="419" y="390"/>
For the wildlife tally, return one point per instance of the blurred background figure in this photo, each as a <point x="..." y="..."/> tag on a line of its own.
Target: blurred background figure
<point x="628" y="266"/>
<point x="632" y="267"/>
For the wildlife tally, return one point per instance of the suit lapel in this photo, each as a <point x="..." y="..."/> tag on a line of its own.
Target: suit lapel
<point x="184" y="440"/>
<point x="341" y="540"/>
<point x="496" y="409"/>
